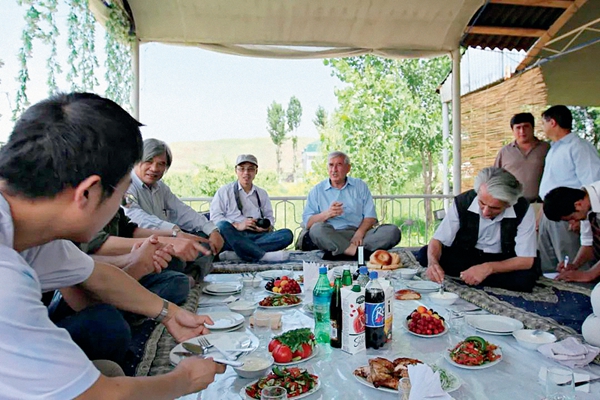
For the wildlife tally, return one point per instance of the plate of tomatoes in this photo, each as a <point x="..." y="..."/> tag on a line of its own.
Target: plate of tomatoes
<point x="426" y="323"/>
<point x="298" y="383"/>
<point x="474" y="353"/>
<point x="284" y="285"/>
<point x="293" y="347"/>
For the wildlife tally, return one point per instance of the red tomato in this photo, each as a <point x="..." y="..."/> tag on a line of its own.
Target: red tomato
<point x="303" y="352"/>
<point x="282" y="354"/>
<point x="272" y="344"/>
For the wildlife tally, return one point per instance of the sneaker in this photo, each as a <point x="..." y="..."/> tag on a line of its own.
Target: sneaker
<point x="276" y="256"/>
<point x="229" y="256"/>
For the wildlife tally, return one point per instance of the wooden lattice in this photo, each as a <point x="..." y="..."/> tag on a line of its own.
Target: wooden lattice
<point x="486" y="118"/>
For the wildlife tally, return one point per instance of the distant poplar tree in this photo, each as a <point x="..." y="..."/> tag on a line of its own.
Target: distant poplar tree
<point x="294" y="116"/>
<point x="277" y="130"/>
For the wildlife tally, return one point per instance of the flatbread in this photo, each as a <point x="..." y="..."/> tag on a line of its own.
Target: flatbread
<point x="407" y="294"/>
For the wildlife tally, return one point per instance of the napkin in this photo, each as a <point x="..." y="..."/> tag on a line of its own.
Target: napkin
<point x="570" y="352"/>
<point x="425" y="384"/>
<point x="311" y="275"/>
<point x="578" y="378"/>
<point x="275" y="319"/>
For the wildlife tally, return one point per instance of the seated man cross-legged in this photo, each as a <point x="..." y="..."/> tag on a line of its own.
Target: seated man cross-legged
<point x="243" y="214"/>
<point x="340" y="214"/>
<point x="488" y="236"/>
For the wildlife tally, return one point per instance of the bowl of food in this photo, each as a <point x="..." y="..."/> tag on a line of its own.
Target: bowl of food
<point x="533" y="338"/>
<point x="255" y="366"/>
<point x="443" y="299"/>
<point x="408" y="273"/>
<point x="246" y="308"/>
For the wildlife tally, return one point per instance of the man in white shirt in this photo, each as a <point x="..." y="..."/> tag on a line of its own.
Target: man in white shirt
<point x="568" y="204"/>
<point x="63" y="174"/>
<point x="150" y="203"/>
<point x="488" y="236"/>
<point x="244" y="215"/>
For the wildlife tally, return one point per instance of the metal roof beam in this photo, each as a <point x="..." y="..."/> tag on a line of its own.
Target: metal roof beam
<point x="536" y="3"/>
<point x="504" y="31"/>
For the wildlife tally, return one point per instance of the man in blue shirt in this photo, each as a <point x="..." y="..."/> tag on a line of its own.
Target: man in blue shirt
<point x="571" y="162"/>
<point x="340" y="214"/>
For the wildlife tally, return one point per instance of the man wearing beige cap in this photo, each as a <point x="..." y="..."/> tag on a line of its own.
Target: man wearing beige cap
<point x="244" y="215"/>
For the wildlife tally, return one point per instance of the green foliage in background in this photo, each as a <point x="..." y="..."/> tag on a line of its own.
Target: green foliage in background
<point x="586" y="122"/>
<point x="277" y="129"/>
<point x="294" y="117"/>
<point x="82" y="48"/>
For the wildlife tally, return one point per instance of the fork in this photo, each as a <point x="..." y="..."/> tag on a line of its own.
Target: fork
<point x="441" y="291"/>
<point x="207" y="345"/>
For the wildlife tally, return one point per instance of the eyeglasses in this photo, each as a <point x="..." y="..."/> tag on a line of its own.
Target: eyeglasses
<point x="246" y="169"/>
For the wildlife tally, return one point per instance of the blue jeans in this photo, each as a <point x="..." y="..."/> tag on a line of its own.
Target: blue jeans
<point x="170" y="285"/>
<point x="252" y="246"/>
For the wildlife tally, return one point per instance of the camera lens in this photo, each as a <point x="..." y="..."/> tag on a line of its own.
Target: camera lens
<point x="263" y="223"/>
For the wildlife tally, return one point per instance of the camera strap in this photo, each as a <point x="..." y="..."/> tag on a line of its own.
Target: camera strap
<point x="236" y="193"/>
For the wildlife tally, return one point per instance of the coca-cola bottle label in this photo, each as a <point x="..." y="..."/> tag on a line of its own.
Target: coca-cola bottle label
<point x="375" y="313"/>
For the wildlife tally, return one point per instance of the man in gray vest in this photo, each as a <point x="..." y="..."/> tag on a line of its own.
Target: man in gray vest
<point x="488" y="236"/>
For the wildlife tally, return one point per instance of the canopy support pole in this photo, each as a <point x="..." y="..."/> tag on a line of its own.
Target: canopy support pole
<point x="445" y="155"/>
<point x="135" y="90"/>
<point x="456" y="138"/>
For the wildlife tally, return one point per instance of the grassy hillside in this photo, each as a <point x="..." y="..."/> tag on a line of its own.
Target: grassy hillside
<point x="220" y="153"/>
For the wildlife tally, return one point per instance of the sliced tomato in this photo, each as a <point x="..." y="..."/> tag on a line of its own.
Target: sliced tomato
<point x="282" y="354"/>
<point x="272" y="344"/>
<point x="304" y="352"/>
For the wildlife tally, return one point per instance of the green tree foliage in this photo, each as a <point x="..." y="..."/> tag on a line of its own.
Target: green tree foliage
<point x="81" y="42"/>
<point x="277" y="130"/>
<point x="320" y="120"/>
<point x="119" y="38"/>
<point x="586" y="122"/>
<point x="294" y="116"/>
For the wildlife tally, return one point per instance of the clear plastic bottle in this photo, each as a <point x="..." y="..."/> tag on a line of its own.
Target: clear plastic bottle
<point x="363" y="277"/>
<point x="321" y="300"/>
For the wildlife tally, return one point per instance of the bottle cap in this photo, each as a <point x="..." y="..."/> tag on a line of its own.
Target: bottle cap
<point x="346" y="267"/>
<point x="356" y="288"/>
<point x="323" y="270"/>
<point x="363" y="270"/>
<point x="373" y="274"/>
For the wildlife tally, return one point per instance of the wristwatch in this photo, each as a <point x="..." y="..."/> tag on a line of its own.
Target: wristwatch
<point x="163" y="313"/>
<point x="175" y="231"/>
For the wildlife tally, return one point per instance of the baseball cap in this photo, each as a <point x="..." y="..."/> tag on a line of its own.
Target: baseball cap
<point x="242" y="158"/>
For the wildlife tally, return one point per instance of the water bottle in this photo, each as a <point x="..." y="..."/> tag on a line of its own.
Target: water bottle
<point x="321" y="299"/>
<point x="363" y="276"/>
<point x="375" y="313"/>
<point x="347" y="276"/>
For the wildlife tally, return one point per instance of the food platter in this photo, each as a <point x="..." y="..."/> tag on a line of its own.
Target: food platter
<point x="282" y="307"/>
<point x="425" y="336"/>
<point x="497" y="352"/>
<point x="303" y="395"/>
<point x="455" y="386"/>
<point x="315" y="352"/>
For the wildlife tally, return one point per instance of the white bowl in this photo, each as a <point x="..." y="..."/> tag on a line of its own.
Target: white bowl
<point x="443" y="299"/>
<point x="528" y="340"/>
<point x="256" y="282"/>
<point x="246" y="308"/>
<point x="255" y="366"/>
<point x="408" y="273"/>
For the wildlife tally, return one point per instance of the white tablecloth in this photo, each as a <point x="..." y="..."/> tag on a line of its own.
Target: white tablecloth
<point x="514" y="378"/>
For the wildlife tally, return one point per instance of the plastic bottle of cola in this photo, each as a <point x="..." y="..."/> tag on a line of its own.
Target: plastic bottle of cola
<point x="375" y="313"/>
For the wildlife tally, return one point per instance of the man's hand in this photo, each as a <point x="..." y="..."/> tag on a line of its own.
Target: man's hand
<point x="148" y="257"/>
<point x="199" y="372"/>
<point x="216" y="242"/>
<point x="435" y="272"/>
<point x="569" y="267"/>
<point x="357" y="238"/>
<point x="187" y="249"/>
<point x="574" y="276"/>
<point x="574" y="225"/>
<point x="248" y="224"/>
<point x="183" y="324"/>
<point x="476" y="274"/>
<point x="335" y="210"/>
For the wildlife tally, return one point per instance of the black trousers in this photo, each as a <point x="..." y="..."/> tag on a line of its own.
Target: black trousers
<point x="454" y="262"/>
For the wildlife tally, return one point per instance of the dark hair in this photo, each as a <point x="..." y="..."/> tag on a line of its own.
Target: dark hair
<point x="561" y="114"/>
<point x="522" y="118"/>
<point x="60" y="141"/>
<point x="560" y="202"/>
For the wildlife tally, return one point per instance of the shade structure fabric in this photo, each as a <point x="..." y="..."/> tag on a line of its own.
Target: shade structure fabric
<point x="325" y="28"/>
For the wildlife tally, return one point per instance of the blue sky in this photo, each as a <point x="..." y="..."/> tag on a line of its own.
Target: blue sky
<point x="186" y="93"/>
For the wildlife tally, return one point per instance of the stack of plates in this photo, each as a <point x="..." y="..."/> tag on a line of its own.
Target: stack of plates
<point x="423" y="286"/>
<point x="494" y="324"/>
<point x="272" y="274"/>
<point x="225" y="321"/>
<point x="222" y="289"/>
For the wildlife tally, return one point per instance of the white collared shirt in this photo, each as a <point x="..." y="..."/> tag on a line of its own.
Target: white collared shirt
<point x="488" y="239"/>
<point x="586" y="235"/>
<point x="223" y="206"/>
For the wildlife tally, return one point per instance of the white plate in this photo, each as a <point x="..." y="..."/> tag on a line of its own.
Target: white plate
<point x="452" y="388"/>
<point x="225" y="320"/>
<point x="425" y="336"/>
<point x="222" y="288"/>
<point x="225" y="340"/>
<point x="303" y="395"/>
<point x="220" y="294"/>
<point x="498" y="351"/>
<point x="281" y="307"/>
<point x="233" y="328"/>
<point x="313" y="354"/>
<point x="423" y="286"/>
<point x="266" y="275"/>
<point x="494" y="324"/>
<point x="307" y="308"/>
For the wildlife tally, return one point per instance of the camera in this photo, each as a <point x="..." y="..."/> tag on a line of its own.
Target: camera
<point x="263" y="223"/>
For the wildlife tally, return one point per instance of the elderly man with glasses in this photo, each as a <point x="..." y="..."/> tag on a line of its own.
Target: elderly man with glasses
<point x="150" y="204"/>
<point x="243" y="214"/>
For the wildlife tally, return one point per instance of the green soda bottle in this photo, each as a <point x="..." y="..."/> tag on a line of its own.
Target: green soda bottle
<point x="321" y="300"/>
